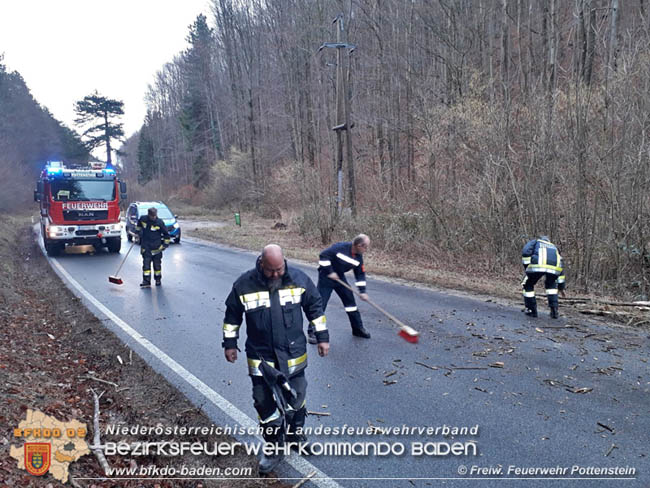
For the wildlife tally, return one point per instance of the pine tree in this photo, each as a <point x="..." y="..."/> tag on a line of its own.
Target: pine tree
<point x="197" y="117"/>
<point x="98" y="111"/>
<point x="146" y="152"/>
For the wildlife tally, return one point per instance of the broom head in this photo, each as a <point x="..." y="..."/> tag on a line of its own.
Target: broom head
<point x="409" y="334"/>
<point x="116" y="280"/>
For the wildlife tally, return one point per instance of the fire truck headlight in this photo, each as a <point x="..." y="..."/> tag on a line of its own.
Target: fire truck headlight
<point x="53" y="230"/>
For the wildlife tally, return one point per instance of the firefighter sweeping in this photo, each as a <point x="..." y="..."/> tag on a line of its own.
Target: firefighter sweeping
<point x="154" y="239"/>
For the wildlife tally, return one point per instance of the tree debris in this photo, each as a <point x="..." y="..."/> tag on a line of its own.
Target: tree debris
<point x="96" y="448"/>
<point x="322" y="414"/>
<point x="614" y="446"/>
<point x="88" y="377"/>
<point x="580" y="390"/>
<point x="374" y="429"/>
<point x="435" y="368"/>
<point x="606" y="427"/>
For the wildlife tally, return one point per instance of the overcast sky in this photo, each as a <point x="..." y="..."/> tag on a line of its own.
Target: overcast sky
<point x="65" y="49"/>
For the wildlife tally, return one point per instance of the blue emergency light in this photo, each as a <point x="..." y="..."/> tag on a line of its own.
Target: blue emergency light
<point x="54" y="167"/>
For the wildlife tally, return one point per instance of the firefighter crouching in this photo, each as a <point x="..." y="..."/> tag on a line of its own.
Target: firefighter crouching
<point x="273" y="297"/>
<point x="540" y="257"/>
<point x="154" y="239"/>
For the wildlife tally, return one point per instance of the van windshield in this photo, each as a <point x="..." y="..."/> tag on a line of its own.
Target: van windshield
<point x="82" y="190"/>
<point x="163" y="212"/>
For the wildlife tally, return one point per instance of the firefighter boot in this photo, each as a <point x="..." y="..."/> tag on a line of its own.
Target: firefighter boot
<point x="554" y="313"/>
<point x="145" y="284"/>
<point x="532" y="312"/>
<point x="158" y="282"/>
<point x="311" y="334"/>
<point x="299" y="440"/>
<point x="268" y="462"/>
<point x="357" y="325"/>
<point x="360" y="332"/>
<point x="531" y="306"/>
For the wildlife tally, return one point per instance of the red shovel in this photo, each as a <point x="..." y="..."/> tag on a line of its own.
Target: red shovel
<point x="115" y="279"/>
<point x="407" y="333"/>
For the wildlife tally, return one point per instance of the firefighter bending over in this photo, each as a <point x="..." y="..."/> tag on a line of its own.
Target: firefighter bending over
<point x="154" y="239"/>
<point x="333" y="263"/>
<point x="540" y="257"/>
<point x="273" y="297"/>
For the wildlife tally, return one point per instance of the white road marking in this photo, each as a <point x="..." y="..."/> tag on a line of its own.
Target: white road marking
<point x="296" y="462"/>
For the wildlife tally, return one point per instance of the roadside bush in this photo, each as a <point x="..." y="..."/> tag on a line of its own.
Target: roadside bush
<point x="230" y="185"/>
<point x="391" y="231"/>
<point x="318" y="216"/>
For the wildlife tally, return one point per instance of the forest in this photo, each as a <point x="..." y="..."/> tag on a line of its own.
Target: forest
<point x="29" y="136"/>
<point x="474" y="125"/>
<point x="458" y="129"/>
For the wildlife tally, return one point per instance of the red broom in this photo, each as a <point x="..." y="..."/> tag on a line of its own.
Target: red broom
<point x="407" y="333"/>
<point x="115" y="279"/>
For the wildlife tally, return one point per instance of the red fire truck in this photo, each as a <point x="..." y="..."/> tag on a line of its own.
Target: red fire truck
<point x="79" y="205"/>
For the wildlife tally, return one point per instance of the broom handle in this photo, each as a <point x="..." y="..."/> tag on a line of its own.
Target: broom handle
<point x="390" y="316"/>
<point x="124" y="260"/>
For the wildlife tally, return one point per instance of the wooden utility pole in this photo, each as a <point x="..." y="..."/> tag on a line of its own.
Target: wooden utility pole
<point x="343" y="122"/>
<point x="340" y="90"/>
<point x="352" y="190"/>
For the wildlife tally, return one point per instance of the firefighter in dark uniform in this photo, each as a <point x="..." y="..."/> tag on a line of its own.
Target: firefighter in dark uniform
<point x="154" y="239"/>
<point x="333" y="262"/>
<point x="273" y="298"/>
<point x="541" y="258"/>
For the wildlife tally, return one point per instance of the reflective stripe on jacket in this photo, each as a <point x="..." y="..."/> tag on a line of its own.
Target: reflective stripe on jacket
<point x="338" y="258"/>
<point x="540" y="256"/>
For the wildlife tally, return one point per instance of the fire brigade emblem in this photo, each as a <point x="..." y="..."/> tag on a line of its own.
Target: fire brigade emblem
<point x="37" y="457"/>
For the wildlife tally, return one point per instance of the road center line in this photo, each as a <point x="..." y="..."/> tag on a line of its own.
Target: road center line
<point x="296" y="462"/>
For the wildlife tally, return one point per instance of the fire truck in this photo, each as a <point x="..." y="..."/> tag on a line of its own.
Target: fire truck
<point x="79" y="205"/>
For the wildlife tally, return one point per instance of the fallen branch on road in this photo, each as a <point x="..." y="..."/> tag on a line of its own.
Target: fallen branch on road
<point x="97" y="442"/>
<point x="88" y="377"/>
<point x="435" y="368"/>
<point x="595" y="300"/>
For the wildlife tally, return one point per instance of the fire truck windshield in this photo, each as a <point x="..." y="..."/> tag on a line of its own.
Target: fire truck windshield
<point x="80" y="190"/>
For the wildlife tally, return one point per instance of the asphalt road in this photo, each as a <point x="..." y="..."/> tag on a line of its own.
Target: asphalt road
<point x="570" y="392"/>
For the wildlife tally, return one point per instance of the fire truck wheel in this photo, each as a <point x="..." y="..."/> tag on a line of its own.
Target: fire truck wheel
<point x="114" y="244"/>
<point x="53" y="248"/>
